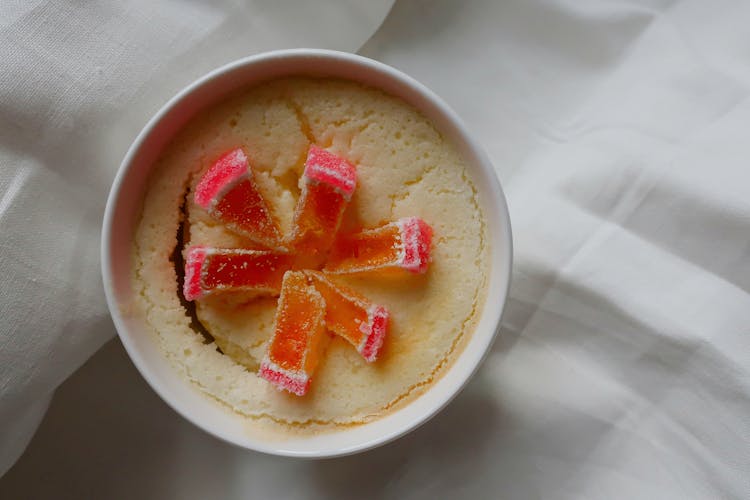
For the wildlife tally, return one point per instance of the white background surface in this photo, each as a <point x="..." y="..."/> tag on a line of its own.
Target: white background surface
<point x="620" y="133"/>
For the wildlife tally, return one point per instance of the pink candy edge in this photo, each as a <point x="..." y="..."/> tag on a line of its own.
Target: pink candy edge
<point x="225" y="171"/>
<point x="378" y="328"/>
<point x="196" y="257"/>
<point x="283" y="379"/>
<point x="416" y="238"/>
<point x="325" y="167"/>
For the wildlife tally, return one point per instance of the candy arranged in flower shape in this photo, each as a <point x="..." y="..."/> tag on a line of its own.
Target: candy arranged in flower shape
<point x="310" y="302"/>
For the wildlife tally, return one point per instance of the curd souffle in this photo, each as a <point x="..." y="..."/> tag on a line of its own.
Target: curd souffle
<point x="405" y="168"/>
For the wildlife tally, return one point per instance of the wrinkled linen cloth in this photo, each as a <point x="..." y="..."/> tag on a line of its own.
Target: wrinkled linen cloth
<point x="621" y="132"/>
<point x="622" y="369"/>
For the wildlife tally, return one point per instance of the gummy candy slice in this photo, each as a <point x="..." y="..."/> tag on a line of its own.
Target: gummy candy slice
<point x="403" y="244"/>
<point x="299" y="337"/>
<point x="327" y="186"/>
<point x="229" y="193"/>
<point x="352" y="316"/>
<point x="209" y="270"/>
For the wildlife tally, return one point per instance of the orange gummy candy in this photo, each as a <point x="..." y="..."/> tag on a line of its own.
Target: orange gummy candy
<point x="229" y="193"/>
<point x="352" y="316"/>
<point x="299" y="337"/>
<point x="209" y="270"/>
<point x="327" y="186"/>
<point x="403" y="244"/>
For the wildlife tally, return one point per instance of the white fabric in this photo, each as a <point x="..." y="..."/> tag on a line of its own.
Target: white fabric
<point x="623" y="367"/>
<point x="620" y="131"/>
<point x="77" y="82"/>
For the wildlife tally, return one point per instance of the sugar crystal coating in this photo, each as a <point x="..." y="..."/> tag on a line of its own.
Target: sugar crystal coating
<point x="196" y="257"/>
<point x="327" y="168"/>
<point x="222" y="175"/>
<point x="416" y="240"/>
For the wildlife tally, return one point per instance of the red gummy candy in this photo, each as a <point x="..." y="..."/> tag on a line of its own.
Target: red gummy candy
<point x="209" y="270"/>
<point x="229" y="193"/>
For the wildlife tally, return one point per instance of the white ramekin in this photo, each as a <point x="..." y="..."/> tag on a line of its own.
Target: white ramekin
<point x="123" y="208"/>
